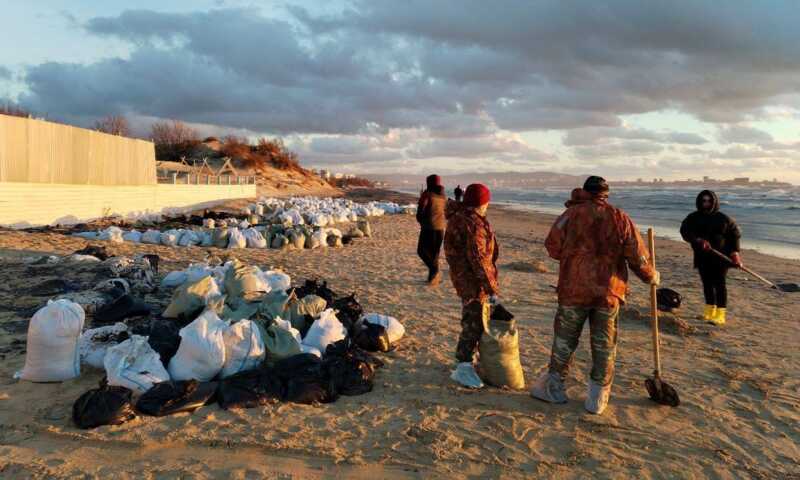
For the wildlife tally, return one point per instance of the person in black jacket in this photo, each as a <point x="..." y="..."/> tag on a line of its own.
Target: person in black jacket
<point x="431" y="218"/>
<point x="458" y="192"/>
<point x="706" y="229"/>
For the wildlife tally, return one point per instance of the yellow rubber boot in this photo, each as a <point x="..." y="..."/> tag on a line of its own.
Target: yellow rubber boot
<point x="719" y="317"/>
<point x="709" y="312"/>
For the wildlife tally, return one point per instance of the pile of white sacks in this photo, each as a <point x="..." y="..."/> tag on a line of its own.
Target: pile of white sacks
<point x="210" y="346"/>
<point x="300" y="222"/>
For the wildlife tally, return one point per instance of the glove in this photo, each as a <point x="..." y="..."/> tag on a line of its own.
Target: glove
<point x="704" y="245"/>
<point x="737" y="259"/>
<point x="656" y="280"/>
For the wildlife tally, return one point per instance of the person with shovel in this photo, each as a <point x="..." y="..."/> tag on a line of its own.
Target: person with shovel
<point x="471" y="251"/>
<point x="430" y="215"/>
<point x="595" y="243"/>
<point x="709" y="231"/>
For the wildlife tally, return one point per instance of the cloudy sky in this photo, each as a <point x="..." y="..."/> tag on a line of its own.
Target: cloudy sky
<point x="626" y="88"/>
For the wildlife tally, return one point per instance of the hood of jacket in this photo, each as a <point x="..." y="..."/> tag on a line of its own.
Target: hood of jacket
<point x="699" y="201"/>
<point x="577" y="197"/>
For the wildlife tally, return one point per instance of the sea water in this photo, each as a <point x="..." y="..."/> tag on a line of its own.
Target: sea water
<point x="769" y="218"/>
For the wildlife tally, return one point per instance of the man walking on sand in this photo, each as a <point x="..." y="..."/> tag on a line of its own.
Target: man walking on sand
<point x="471" y="250"/>
<point x="594" y="243"/>
<point x="431" y="218"/>
<point x="705" y="229"/>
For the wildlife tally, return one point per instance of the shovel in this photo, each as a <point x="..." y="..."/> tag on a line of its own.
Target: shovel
<point x="780" y="287"/>
<point x="660" y="391"/>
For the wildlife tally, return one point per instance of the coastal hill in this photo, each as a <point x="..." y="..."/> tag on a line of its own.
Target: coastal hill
<point x="277" y="170"/>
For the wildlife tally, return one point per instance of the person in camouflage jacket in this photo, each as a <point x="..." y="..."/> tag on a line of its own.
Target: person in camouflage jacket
<point x="595" y="244"/>
<point x="471" y="251"/>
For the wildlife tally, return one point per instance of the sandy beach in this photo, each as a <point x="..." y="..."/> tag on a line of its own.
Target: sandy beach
<point x="739" y="384"/>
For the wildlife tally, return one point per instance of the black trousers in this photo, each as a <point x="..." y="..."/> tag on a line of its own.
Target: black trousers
<point x="428" y="248"/>
<point x="714" y="288"/>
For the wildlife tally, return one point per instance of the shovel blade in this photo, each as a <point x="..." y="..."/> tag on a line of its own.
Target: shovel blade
<point x="661" y="392"/>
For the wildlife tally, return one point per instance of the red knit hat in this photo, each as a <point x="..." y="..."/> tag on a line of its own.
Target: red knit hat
<point x="476" y="195"/>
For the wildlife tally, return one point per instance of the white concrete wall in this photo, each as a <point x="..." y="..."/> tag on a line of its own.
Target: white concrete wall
<point x="32" y="204"/>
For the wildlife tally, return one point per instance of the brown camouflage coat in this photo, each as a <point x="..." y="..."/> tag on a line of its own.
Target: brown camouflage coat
<point x="471" y="250"/>
<point x="595" y="243"/>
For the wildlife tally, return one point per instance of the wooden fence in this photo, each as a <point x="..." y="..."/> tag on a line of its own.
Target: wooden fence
<point x="36" y="151"/>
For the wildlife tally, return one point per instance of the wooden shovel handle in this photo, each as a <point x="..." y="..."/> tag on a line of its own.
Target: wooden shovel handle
<point x="742" y="267"/>
<point x="651" y="242"/>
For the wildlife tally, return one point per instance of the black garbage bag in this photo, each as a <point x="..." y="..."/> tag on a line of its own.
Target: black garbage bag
<point x="351" y="369"/>
<point x="163" y="337"/>
<point x="250" y="389"/>
<point x="311" y="390"/>
<point x="52" y="287"/>
<point x="313" y="287"/>
<point x="106" y="405"/>
<point x="98" y="251"/>
<point x="372" y="338"/>
<point x="125" y="306"/>
<point x="668" y="300"/>
<point x="348" y="311"/>
<point x="167" y="398"/>
<point x="499" y="312"/>
<point x="152" y="259"/>
<point x="305" y="380"/>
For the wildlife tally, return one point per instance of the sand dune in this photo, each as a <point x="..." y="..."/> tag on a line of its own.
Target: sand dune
<point x="740" y="384"/>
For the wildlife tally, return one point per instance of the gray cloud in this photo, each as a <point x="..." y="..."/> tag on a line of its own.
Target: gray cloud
<point x="389" y="83"/>
<point x="597" y="136"/>
<point x="743" y="134"/>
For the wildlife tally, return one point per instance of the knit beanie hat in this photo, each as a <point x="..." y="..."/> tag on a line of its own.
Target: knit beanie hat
<point x="477" y="194"/>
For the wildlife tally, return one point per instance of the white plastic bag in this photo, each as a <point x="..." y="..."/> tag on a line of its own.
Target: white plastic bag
<point x="112" y="234"/>
<point x="394" y="329"/>
<point x="52" y="348"/>
<point x="93" y="343"/>
<point x="189" y="238"/>
<point x="320" y="237"/>
<point x="133" y="236"/>
<point x="276" y="280"/>
<point x="254" y="238"/>
<point x="152" y="237"/>
<point x="236" y="239"/>
<point x="201" y="354"/>
<point x="325" y="330"/>
<point x="307" y="349"/>
<point x="174" y="279"/>
<point x="170" y="238"/>
<point x="134" y="364"/>
<point x="287" y="325"/>
<point x="244" y="348"/>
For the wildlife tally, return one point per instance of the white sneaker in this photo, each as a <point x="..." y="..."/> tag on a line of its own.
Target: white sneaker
<point x="466" y="375"/>
<point x="597" y="398"/>
<point x="549" y="388"/>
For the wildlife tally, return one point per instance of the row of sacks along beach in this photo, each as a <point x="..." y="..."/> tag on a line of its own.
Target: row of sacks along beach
<point x="232" y="334"/>
<point x="297" y="223"/>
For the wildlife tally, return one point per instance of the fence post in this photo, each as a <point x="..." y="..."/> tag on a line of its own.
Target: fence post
<point x="174" y="177"/>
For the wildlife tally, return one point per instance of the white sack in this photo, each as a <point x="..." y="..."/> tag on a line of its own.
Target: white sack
<point x="134" y="364"/>
<point x="244" y="348"/>
<point x="52" y="348"/>
<point x="325" y="330"/>
<point x="201" y="353"/>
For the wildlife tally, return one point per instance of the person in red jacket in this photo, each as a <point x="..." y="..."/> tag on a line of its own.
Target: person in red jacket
<point x="471" y="250"/>
<point x="595" y="243"/>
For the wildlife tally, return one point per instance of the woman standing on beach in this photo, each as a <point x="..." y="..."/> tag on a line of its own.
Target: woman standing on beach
<point x="707" y="229"/>
<point x="430" y="215"/>
<point x="471" y="250"/>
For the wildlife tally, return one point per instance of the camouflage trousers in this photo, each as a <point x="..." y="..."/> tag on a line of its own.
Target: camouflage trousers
<point x="473" y="317"/>
<point x="603" y="339"/>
